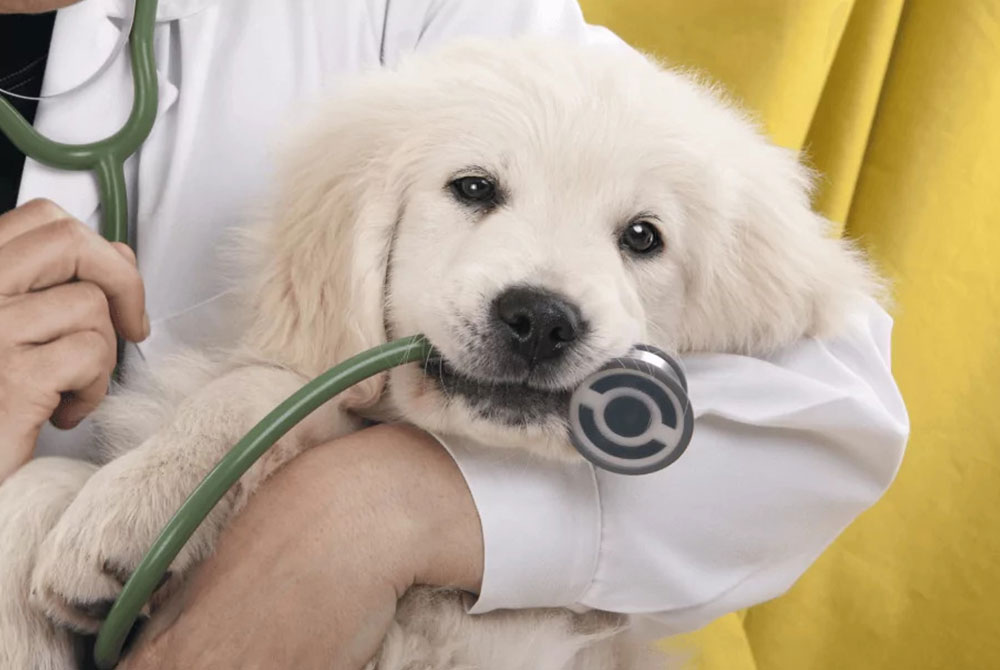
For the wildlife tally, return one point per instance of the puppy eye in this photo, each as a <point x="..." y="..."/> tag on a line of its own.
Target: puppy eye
<point x="641" y="237"/>
<point x="477" y="190"/>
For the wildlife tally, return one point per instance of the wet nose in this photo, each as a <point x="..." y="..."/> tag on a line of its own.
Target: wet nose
<point x="539" y="325"/>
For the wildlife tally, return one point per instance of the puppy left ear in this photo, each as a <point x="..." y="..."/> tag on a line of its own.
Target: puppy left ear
<point x="782" y="272"/>
<point x="321" y="261"/>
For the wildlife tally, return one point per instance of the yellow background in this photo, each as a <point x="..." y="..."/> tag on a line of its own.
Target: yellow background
<point x="898" y="105"/>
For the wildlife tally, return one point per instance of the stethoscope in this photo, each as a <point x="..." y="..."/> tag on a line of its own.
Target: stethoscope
<point x="631" y="417"/>
<point x="105" y="157"/>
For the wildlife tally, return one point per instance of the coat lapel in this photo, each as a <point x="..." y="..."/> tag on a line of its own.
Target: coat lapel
<point x="84" y="36"/>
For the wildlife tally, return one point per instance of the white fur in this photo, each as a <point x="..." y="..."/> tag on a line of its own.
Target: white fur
<point x="366" y="242"/>
<point x="31" y="502"/>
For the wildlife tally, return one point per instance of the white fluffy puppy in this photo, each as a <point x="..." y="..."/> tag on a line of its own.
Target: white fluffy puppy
<point x="535" y="209"/>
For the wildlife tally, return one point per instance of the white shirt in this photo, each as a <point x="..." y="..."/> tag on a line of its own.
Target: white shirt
<point x="786" y="450"/>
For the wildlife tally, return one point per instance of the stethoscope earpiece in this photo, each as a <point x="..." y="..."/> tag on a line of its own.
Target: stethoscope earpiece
<point x="633" y="416"/>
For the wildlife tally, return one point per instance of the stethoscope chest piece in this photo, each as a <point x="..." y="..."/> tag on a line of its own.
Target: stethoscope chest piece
<point x="633" y="416"/>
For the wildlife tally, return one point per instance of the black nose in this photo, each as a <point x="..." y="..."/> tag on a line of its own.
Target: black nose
<point x="538" y="324"/>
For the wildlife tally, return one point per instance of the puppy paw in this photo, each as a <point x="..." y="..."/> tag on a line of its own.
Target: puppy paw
<point x="88" y="556"/>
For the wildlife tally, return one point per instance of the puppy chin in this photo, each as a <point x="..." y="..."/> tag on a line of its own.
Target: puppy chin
<point x="419" y="400"/>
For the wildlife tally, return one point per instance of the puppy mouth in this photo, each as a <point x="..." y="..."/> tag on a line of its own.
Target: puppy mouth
<point x="510" y="403"/>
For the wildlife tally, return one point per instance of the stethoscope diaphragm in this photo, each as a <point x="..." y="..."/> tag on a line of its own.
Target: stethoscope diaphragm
<point x="633" y="416"/>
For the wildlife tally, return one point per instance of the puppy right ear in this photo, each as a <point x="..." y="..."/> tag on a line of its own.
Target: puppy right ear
<point x="320" y="262"/>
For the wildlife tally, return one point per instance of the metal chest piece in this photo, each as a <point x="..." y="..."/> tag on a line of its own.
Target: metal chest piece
<point x="633" y="416"/>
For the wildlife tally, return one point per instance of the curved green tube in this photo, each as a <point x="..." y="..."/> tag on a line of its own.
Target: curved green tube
<point x="106" y="157"/>
<point x="269" y="430"/>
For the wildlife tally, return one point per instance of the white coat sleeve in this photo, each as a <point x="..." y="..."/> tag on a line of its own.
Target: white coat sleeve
<point x="786" y="452"/>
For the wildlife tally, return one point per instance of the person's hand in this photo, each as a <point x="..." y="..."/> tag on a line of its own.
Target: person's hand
<point x="308" y="575"/>
<point x="64" y="292"/>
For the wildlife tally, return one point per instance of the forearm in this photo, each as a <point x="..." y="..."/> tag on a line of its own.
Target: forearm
<point x="399" y="484"/>
<point x="309" y="573"/>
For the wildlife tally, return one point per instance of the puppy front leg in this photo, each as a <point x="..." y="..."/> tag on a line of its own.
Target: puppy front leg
<point x="99" y="541"/>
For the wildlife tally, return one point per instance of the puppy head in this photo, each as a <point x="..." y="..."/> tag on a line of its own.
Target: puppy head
<point x="536" y="209"/>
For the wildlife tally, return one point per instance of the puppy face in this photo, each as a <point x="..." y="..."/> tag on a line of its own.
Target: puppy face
<point x="536" y="209"/>
<point x="533" y="246"/>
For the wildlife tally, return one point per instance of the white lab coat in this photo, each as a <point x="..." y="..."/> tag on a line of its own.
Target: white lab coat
<point x="786" y="451"/>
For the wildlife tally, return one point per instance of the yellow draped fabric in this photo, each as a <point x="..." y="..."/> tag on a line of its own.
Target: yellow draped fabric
<point x="898" y="105"/>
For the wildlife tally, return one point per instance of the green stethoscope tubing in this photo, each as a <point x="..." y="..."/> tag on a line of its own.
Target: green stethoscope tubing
<point x="105" y="157"/>
<point x="199" y="504"/>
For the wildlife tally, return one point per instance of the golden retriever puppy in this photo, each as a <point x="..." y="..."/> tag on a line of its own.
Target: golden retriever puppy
<point x="534" y="208"/>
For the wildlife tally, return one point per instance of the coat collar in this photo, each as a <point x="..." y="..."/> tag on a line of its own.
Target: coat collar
<point x="166" y="10"/>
